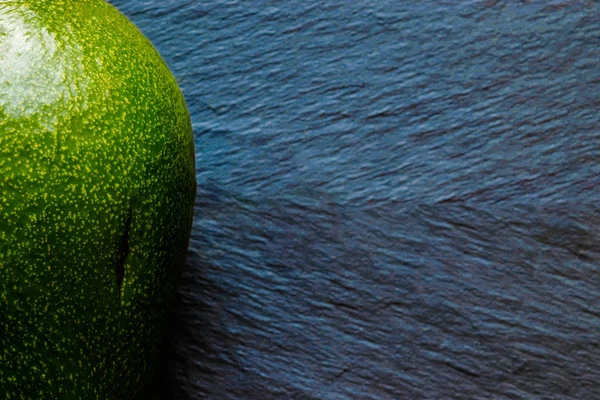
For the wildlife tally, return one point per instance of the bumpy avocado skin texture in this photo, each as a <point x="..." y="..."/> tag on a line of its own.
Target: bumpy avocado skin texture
<point x="97" y="185"/>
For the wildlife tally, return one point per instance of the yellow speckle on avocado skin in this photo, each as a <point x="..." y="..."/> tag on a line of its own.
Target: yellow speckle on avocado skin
<point x="97" y="186"/>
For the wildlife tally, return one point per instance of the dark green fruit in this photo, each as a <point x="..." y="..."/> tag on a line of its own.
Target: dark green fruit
<point x="97" y="185"/>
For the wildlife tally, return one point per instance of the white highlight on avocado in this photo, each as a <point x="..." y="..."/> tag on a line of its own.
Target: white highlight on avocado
<point x="25" y="54"/>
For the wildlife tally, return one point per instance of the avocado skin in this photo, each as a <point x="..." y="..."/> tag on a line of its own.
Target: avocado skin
<point x="97" y="186"/>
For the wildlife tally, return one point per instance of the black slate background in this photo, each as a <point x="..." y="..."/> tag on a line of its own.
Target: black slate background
<point x="397" y="200"/>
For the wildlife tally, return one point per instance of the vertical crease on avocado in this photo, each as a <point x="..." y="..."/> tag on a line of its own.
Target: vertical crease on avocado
<point x="123" y="253"/>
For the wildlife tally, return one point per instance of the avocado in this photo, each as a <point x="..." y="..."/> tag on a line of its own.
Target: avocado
<point x="97" y="189"/>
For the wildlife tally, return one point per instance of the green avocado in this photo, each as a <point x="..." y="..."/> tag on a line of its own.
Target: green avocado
<point x="97" y="186"/>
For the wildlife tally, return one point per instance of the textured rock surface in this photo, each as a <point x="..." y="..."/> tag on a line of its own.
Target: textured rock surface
<point x="398" y="200"/>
